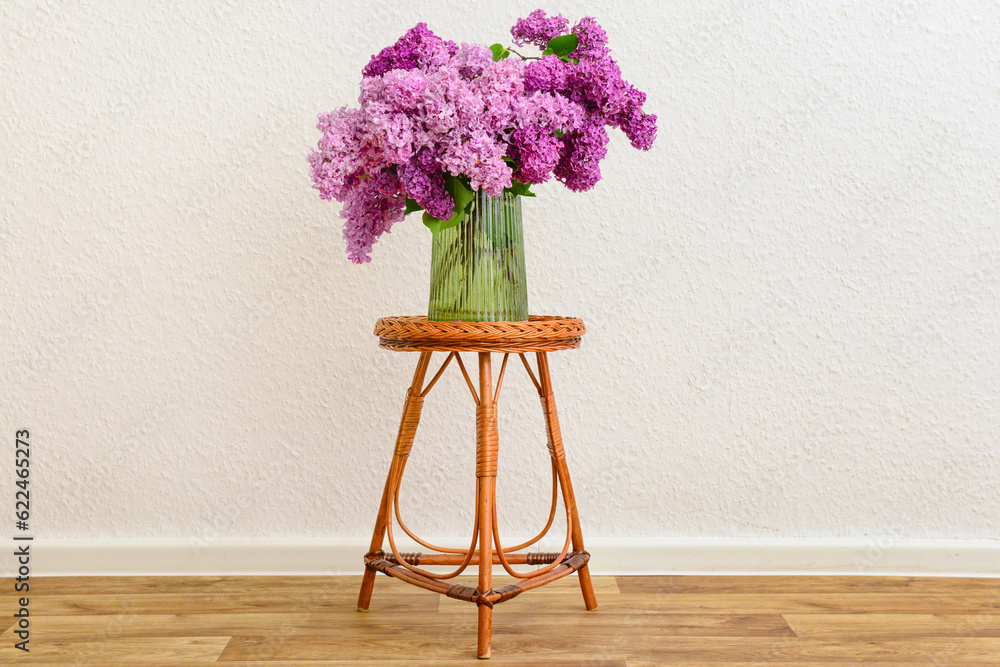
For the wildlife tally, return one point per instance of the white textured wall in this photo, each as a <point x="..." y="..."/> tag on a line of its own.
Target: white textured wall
<point x="792" y="300"/>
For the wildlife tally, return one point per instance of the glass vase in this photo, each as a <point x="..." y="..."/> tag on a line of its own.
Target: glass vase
<point x="477" y="266"/>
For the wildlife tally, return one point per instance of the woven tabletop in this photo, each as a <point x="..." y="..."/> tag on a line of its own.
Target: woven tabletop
<point x="539" y="334"/>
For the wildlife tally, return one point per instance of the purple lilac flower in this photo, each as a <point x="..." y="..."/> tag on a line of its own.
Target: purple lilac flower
<point x="370" y="210"/>
<point x="640" y="129"/>
<point x="600" y="85"/>
<point x="424" y="183"/>
<point x="579" y="167"/>
<point x="593" y="41"/>
<point x="537" y="152"/>
<point x="548" y="74"/>
<point x="538" y="30"/>
<point x="418" y="48"/>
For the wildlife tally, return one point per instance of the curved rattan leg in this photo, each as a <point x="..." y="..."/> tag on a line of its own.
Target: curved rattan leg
<point x="486" y="477"/>
<point x="559" y="456"/>
<point x="404" y="441"/>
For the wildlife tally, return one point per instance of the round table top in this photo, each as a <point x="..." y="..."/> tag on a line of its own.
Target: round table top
<point x="541" y="333"/>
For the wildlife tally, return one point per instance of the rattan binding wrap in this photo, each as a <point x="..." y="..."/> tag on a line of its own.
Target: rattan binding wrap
<point x="538" y="334"/>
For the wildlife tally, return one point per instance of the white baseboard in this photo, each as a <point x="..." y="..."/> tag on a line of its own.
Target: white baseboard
<point x="876" y="556"/>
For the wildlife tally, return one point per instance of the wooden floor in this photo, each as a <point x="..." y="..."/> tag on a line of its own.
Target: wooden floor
<point x="642" y="621"/>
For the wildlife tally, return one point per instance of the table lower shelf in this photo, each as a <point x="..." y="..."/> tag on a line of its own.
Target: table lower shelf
<point x="379" y="561"/>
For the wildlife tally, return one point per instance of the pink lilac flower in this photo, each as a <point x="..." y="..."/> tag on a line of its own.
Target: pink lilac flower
<point x="479" y="157"/>
<point x="390" y="133"/>
<point x="438" y="113"/>
<point x="556" y="113"/>
<point x="403" y="90"/>
<point x="500" y="88"/>
<point x="338" y="156"/>
<point x="538" y="29"/>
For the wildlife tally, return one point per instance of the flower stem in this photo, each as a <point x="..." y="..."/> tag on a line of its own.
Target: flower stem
<point x="523" y="57"/>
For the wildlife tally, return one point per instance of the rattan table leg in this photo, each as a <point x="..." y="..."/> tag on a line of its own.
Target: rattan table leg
<point x="404" y="441"/>
<point x="558" y="454"/>
<point x="486" y="474"/>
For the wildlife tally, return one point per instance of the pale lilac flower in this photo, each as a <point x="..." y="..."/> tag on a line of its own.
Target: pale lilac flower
<point x="471" y="60"/>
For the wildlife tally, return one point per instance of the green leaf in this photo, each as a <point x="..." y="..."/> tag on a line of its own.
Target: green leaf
<point x="437" y="225"/>
<point x="460" y="191"/>
<point x="499" y="51"/>
<point x="463" y="197"/>
<point x="562" y="46"/>
<point x="432" y="223"/>
<point x="519" y="189"/>
<point x="412" y="207"/>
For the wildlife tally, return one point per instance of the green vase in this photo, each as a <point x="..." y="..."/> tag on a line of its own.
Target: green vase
<point x="477" y="266"/>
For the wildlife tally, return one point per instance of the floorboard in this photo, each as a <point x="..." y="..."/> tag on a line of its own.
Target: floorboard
<point x="735" y="621"/>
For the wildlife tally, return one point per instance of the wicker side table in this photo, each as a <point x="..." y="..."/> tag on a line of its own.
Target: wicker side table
<point x="539" y="335"/>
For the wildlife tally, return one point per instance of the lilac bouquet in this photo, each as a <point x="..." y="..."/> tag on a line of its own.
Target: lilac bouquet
<point x="439" y="121"/>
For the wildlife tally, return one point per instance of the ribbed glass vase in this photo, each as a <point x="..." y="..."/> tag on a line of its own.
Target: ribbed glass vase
<point x="477" y="266"/>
